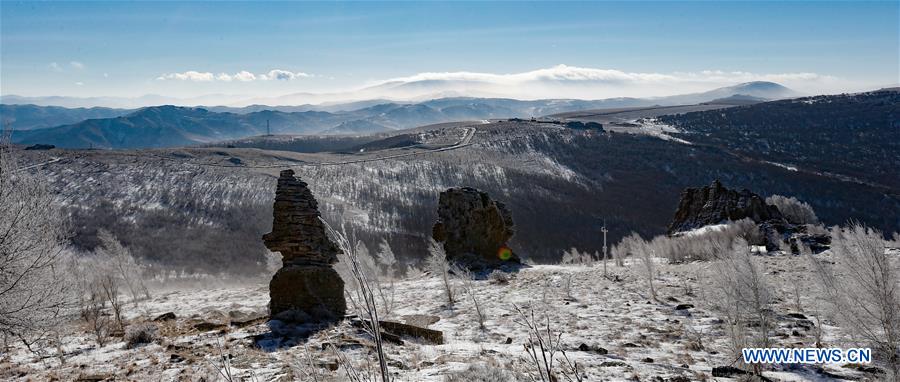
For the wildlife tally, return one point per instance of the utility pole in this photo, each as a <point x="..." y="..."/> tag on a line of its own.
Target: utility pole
<point x="604" y="230"/>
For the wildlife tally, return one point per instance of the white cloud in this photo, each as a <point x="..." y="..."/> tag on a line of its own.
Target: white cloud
<point x="76" y="65"/>
<point x="564" y="73"/>
<point x="54" y="67"/>
<point x="283" y="75"/>
<point x="578" y="82"/>
<point x="242" y="76"/>
<point x="189" y="75"/>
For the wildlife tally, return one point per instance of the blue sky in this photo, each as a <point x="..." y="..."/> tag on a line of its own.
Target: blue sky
<point x="191" y="49"/>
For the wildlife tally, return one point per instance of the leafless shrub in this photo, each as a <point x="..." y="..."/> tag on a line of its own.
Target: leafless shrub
<point x="574" y="257"/>
<point x="498" y="277"/>
<point x="438" y="265"/>
<point x="414" y="272"/>
<point x="222" y="364"/>
<point x="694" y="338"/>
<point x="141" y="334"/>
<point x="794" y="211"/>
<point x="109" y="285"/>
<point x="364" y="372"/>
<point x="816" y="229"/>
<point x="741" y="293"/>
<point x="468" y="283"/>
<point x="387" y="262"/>
<point x="646" y="254"/>
<point x="628" y="246"/>
<point x="567" y="287"/>
<point x="863" y="290"/>
<point x="34" y="291"/>
<point x="119" y="260"/>
<point x="307" y="367"/>
<point x="707" y="243"/>
<point x="361" y="295"/>
<point x="96" y="322"/>
<point x="543" y="346"/>
<point x="480" y="372"/>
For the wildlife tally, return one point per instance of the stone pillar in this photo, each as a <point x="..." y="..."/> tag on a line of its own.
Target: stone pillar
<point x="306" y="288"/>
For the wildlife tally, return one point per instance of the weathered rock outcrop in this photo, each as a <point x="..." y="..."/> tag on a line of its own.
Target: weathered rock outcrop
<point x="715" y="204"/>
<point x="473" y="228"/>
<point x="306" y="288"/>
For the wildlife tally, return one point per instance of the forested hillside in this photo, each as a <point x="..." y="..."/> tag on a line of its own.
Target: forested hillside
<point x="851" y="136"/>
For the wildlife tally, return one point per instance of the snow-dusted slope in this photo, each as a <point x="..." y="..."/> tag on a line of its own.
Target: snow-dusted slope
<point x="643" y="339"/>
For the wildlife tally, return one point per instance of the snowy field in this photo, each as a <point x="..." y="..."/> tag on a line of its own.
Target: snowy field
<point x="608" y="326"/>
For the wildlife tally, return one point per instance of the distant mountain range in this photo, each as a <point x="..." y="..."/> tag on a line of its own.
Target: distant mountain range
<point x="411" y="91"/>
<point x="167" y="126"/>
<point x="26" y="117"/>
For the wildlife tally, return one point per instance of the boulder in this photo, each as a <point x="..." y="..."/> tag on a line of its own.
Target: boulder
<point x="306" y="289"/>
<point x="435" y="337"/>
<point x="165" y="317"/>
<point x="473" y="228"/>
<point x="715" y="204"/>
<point x="304" y="293"/>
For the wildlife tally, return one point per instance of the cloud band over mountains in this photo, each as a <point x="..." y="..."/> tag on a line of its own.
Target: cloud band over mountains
<point x="562" y="81"/>
<point x="241" y="76"/>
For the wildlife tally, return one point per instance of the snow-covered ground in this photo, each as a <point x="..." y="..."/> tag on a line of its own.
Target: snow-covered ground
<point x="609" y="326"/>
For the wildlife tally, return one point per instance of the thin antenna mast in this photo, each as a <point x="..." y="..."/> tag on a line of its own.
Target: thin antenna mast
<point x="604" y="230"/>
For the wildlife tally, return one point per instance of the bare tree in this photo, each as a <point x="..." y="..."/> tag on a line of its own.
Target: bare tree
<point x="388" y="276"/>
<point x="109" y="285"/>
<point x="646" y="253"/>
<point x="863" y="289"/>
<point x="361" y="295"/>
<point x="468" y="282"/>
<point x="33" y="286"/>
<point x="120" y="261"/>
<point x="574" y="257"/>
<point x="438" y="264"/>
<point x="742" y="293"/>
<point x="96" y="323"/>
<point x="794" y="211"/>
<point x="543" y="346"/>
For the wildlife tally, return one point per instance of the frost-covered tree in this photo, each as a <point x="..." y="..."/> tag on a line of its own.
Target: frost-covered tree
<point x="440" y="266"/>
<point x="469" y="286"/>
<point x="33" y="233"/>
<point x="863" y="290"/>
<point x="574" y="257"/>
<point x="646" y="254"/>
<point x="794" y="210"/>
<point x="741" y="292"/>
<point x="120" y="262"/>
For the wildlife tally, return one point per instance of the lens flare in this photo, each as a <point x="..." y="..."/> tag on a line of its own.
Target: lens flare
<point x="504" y="253"/>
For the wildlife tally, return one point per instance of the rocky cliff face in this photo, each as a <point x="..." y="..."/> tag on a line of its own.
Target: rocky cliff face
<point x="473" y="228"/>
<point x="715" y="204"/>
<point x="306" y="288"/>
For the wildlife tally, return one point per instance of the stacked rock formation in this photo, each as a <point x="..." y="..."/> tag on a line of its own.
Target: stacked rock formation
<point x="473" y="228"/>
<point x="715" y="204"/>
<point x="306" y="288"/>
